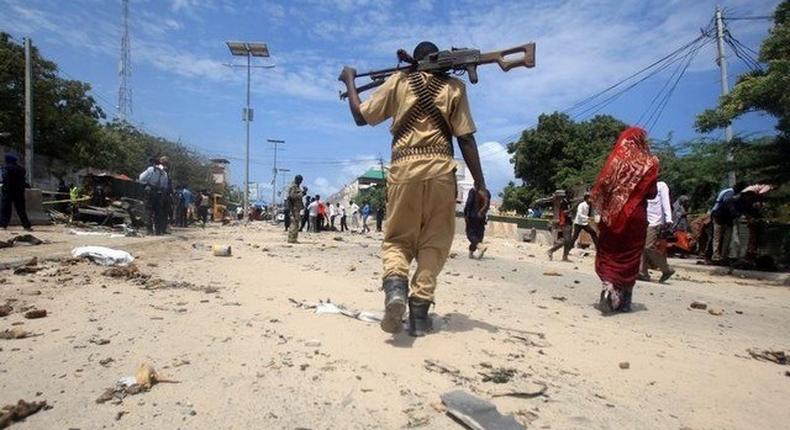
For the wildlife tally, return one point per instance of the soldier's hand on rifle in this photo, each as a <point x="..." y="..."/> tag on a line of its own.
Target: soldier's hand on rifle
<point x="348" y="75"/>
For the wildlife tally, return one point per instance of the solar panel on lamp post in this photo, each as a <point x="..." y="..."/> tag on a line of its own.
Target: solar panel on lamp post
<point x="249" y="50"/>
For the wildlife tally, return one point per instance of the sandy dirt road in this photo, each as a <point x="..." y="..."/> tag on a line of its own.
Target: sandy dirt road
<point x="246" y="356"/>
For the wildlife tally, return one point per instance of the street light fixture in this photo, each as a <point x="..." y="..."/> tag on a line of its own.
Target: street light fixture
<point x="249" y="50"/>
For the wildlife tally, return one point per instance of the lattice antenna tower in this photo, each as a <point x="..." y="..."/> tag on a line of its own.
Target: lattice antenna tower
<point x="125" y="66"/>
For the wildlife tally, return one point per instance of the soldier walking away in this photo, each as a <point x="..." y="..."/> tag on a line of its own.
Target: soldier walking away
<point x="296" y="205"/>
<point x="427" y="109"/>
<point x="13" y="193"/>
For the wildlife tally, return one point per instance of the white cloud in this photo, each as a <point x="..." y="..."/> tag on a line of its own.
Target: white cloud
<point x="496" y="165"/>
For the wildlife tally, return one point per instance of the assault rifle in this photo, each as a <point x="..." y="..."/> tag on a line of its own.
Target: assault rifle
<point x="457" y="60"/>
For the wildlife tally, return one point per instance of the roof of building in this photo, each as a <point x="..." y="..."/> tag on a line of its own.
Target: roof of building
<point x="220" y="160"/>
<point x="375" y="174"/>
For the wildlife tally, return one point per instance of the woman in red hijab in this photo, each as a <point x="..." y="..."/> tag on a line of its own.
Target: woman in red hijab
<point x="620" y="195"/>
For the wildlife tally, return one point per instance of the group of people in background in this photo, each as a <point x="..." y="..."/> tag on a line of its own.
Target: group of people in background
<point x="166" y="205"/>
<point x="310" y="213"/>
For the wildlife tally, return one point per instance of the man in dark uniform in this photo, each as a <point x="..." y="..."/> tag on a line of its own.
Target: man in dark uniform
<point x="427" y="110"/>
<point x="13" y="193"/>
<point x="295" y="205"/>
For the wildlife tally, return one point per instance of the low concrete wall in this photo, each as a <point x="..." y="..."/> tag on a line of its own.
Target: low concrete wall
<point x="507" y="230"/>
<point x="35" y="211"/>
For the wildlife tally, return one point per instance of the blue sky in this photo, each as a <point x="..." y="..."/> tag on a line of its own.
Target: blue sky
<point x="183" y="91"/>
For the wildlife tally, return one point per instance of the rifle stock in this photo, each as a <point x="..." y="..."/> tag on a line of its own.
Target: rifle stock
<point x="501" y="57"/>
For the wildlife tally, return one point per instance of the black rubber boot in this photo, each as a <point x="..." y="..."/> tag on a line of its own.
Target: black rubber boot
<point x="626" y="305"/>
<point x="420" y="322"/>
<point x="395" y="292"/>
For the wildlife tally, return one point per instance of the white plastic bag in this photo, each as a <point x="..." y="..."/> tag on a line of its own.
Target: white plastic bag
<point x="103" y="256"/>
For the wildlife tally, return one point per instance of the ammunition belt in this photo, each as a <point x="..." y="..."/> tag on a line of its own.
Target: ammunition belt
<point x="425" y="107"/>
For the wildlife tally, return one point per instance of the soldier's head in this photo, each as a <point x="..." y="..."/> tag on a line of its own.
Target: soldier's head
<point x="298" y="179"/>
<point x="10" y="159"/>
<point x="317" y="197"/>
<point x="163" y="160"/>
<point x="587" y="197"/>
<point x="423" y="49"/>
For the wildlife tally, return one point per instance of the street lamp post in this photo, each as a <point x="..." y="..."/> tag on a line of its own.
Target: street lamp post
<point x="249" y="50"/>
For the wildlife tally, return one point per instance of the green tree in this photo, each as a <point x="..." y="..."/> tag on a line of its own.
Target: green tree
<point x="374" y="196"/>
<point x="558" y="153"/>
<point x="766" y="91"/>
<point x="66" y="117"/>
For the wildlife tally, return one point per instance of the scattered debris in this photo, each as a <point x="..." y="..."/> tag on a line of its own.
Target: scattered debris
<point x="15" y="333"/>
<point x="527" y="341"/>
<point x="26" y="239"/>
<point x="327" y="307"/>
<point x="95" y="233"/>
<point x="715" y="311"/>
<point x="338" y="238"/>
<point x="99" y="341"/>
<point x="103" y="256"/>
<point x="145" y="377"/>
<point x="698" y="305"/>
<point x="128" y="272"/>
<point x="625" y="365"/>
<point x="313" y="343"/>
<point x="778" y="357"/>
<point x="10" y="414"/>
<point x="559" y="298"/>
<point x="35" y="313"/>
<point x="552" y="273"/>
<point x="476" y="413"/>
<point x="500" y="375"/>
<point x="435" y="366"/>
<point x="221" y="250"/>
<point x="105" y="361"/>
<point x="5" y="310"/>
<point x="29" y="266"/>
<point x="526" y="390"/>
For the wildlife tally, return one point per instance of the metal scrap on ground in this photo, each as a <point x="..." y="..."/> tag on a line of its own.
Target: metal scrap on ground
<point x="476" y="413"/>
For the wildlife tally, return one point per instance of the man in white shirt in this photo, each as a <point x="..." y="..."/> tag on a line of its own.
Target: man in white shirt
<point x="582" y="222"/>
<point x="332" y="215"/>
<point x="354" y="216"/>
<point x="659" y="216"/>
<point x="312" y="211"/>
<point x="341" y="211"/>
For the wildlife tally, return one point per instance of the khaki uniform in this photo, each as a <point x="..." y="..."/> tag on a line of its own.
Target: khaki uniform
<point x="421" y="183"/>
<point x="295" y="204"/>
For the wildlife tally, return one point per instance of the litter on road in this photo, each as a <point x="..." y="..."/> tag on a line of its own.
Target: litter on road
<point x="476" y="413"/>
<point x="103" y="256"/>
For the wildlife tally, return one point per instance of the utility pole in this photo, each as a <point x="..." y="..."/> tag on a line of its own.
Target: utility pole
<point x="249" y="50"/>
<point x="275" y="142"/>
<point x="725" y="88"/>
<point x="29" y="111"/>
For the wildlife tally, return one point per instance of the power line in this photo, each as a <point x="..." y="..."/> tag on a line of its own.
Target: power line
<point x="660" y="109"/>
<point x="654" y="111"/>
<point x="748" y="18"/>
<point x="674" y="57"/>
